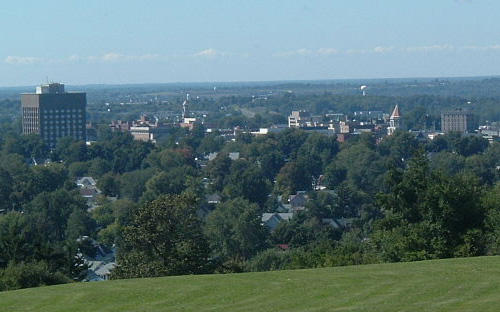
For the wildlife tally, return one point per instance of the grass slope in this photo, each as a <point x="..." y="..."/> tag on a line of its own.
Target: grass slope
<point x="471" y="284"/>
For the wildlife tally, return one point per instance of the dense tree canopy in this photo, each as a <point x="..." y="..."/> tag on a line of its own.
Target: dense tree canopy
<point x="165" y="238"/>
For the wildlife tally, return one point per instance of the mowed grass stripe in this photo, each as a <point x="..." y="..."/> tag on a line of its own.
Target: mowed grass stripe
<point x="471" y="284"/>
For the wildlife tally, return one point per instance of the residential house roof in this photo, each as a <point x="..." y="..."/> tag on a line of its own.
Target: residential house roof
<point x="272" y="220"/>
<point x="212" y="156"/>
<point x="86" y="181"/>
<point x="89" y="191"/>
<point x="336" y="223"/>
<point x="234" y="156"/>
<point x="213" y="199"/>
<point x="298" y="200"/>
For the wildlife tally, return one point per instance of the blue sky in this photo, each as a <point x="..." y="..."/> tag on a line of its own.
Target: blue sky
<point x="112" y="41"/>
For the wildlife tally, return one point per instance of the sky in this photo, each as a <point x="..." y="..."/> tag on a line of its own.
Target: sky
<point x="162" y="41"/>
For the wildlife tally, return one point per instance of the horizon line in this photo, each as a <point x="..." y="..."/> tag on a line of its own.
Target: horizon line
<point x="298" y="81"/>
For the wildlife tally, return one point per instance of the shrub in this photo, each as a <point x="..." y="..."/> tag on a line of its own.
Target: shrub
<point x="25" y="275"/>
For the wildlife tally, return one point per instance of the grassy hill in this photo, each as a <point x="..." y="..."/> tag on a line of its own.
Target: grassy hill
<point x="471" y="284"/>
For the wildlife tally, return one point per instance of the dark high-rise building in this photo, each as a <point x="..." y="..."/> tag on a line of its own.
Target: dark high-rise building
<point x="54" y="113"/>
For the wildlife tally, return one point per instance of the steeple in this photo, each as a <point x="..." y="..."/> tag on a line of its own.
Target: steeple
<point x="185" y="107"/>
<point x="396" y="113"/>
<point x="394" y="121"/>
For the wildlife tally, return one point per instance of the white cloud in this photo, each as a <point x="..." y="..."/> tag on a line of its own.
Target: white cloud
<point x="116" y="57"/>
<point x="211" y="53"/>
<point x="383" y="49"/>
<point x="327" y="51"/>
<point x="113" y="57"/>
<point x="356" y="51"/>
<point x="22" y="60"/>
<point x="431" y="48"/>
<point x="302" y="52"/>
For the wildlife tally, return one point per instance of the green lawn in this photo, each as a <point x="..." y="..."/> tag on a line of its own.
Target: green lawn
<point x="471" y="284"/>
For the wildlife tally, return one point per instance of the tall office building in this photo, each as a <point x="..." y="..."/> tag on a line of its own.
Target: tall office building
<point x="53" y="113"/>
<point x="458" y="120"/>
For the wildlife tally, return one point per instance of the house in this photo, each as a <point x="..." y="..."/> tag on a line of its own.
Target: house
<point x="89" y="192"/>
<point x="282" y="207"/>
<point x="337" y="223"/>
<point x="98" y="271"/>
<point x="212" y="156"/>
<point x="213" y="199"/>
<point x="100" y="264"/>
<point x="88" y="189"/>
<point x="234" y="156"/>
<point x="272" y="220"/>
<point x="283" y="246"/>
<point x="298" y="201"/>
<point x="86" y="181"/>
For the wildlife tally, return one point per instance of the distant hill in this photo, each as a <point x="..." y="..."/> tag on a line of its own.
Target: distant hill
<point x="470" y="284"/>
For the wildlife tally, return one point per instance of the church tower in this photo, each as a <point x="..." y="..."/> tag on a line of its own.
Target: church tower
<point x="394" y="121"/>
<point x="187" y="121"/>
<point x="185" y="107"/>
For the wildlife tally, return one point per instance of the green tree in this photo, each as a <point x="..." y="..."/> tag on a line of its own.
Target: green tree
<point x="218" y="169"/>
<point x="292" y="178"/>
<point x="364" y="167"/>
<point x="109" y="184"/>
<point x="491" y="202"/>
<point x="99" y="167"/>
<point x="46" y="178"/>
<point x="247" y="180"/>
<point x="70" y="150"/>
<point x="165" y="238"/>
<point x="52" y="211"/>
<point x="15" y="245"/>
<point x="290" y="141"/>
<point x="6" y="189"/>
<point x="401" y="145"/>
<point x="451" y="163"/>
<point x="234" y="230"/>
<point x="211" y="143"/>
<point x="471" y="145"/>
<point x="32" y="274"/>
<point x="34" y="146"/>
<point x="79" y="224"/>
<point x="133" y="183"/>
<point x="482" y="168"/>
<point x="173" y="181"/>
<point x="167" y="159"/>
<point x="78" y="169"/>
<point x="429" y="214"/>
<point x="317" y="152"/>
<point x="334" y="175"/>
